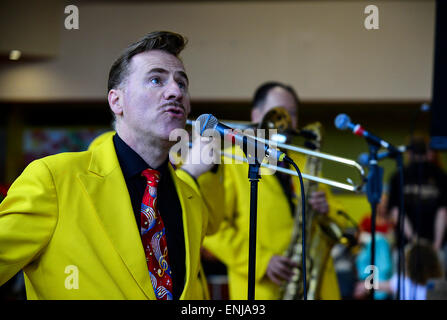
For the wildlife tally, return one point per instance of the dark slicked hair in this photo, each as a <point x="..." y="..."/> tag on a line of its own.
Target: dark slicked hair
<point x="262" y="91"/>
<point x="170" y="42"/>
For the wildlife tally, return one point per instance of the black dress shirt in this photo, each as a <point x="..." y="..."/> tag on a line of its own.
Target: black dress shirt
<point x="168" y="204"/>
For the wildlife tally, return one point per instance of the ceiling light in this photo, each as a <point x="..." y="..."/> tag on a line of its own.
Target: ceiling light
<point x="15" y="54"/>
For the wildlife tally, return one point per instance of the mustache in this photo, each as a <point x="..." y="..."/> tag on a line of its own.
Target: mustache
<point x="173" y="104"/>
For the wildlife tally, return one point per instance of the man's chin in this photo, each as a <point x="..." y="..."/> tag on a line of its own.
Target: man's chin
<point x="172" y="132"/>
<point x="176" y="125"/>
<point x="167" y="127"/>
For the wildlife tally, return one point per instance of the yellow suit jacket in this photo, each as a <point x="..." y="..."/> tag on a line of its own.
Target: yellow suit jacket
<point x="68" y="222"/>
<point x="274" y="228"/>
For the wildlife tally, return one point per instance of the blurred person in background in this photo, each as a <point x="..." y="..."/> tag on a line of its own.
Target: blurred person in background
<point x="276" y="209"/>
<point x="422" y="268"/>
<point x="384" y="241"/>
<point x="425" y="196"/>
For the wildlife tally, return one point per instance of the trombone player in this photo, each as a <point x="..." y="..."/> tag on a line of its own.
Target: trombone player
<point x="276" y="206"/>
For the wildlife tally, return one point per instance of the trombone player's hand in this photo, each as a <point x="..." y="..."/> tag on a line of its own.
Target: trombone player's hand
<point x="280" y="269"/>
<point x="318" y="202"/>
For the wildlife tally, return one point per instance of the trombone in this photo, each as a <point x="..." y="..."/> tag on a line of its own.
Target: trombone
<point x="349" y="186"/>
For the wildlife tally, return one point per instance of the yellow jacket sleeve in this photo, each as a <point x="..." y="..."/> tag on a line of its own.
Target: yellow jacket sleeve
<point x="28" y="217"/>
<point x="212" y="183"/>
<point x="222" y="244"/>
<point x="209" y="186"/>
<point x="231" y="243"/>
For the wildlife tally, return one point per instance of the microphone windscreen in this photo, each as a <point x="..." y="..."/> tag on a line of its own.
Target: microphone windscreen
<point x="206" y="121"/>
<point x="342" y="121"/>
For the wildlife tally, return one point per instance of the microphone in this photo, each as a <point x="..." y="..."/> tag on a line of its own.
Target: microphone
<point x="343" y="122"/>
<point x="363" y="158"/>
<point x="208" y="121"/>
<point x="425" y="107"/>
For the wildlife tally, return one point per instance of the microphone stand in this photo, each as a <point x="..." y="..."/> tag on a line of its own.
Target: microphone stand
<point x="253" y="176"/>
<point x="374" y="193"/>
<point x="401" y="257"/>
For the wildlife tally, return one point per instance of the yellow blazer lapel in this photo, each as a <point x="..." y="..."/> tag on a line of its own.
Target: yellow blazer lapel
<point x="108" y="192"/>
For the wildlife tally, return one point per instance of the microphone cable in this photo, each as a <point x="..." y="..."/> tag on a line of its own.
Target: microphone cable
<point x="303" y="226"/>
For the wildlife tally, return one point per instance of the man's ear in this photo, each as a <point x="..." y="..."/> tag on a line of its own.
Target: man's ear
<point x="115" y="98"/>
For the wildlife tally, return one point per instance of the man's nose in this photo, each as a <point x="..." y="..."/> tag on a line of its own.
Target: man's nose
<point x="173" y="91"/>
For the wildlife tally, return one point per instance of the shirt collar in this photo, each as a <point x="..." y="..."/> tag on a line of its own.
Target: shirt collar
<point x="131" y="163"/>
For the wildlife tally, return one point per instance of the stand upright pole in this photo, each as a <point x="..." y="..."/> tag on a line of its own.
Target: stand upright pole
<point x="374" y="193"/>
<point x="400" y="240"/>
<point x="253" y="176"/>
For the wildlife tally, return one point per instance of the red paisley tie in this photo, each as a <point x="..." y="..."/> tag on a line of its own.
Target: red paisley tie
<point x="153" y="237"/>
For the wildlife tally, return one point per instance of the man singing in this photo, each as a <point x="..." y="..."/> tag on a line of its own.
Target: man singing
<point x="116" y="221"/>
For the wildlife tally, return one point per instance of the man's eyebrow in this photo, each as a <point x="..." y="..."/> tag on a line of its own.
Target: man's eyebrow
<point x="161" y="70"/>
<point x="157" y="70"/>
<point x="183" y="74"/>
